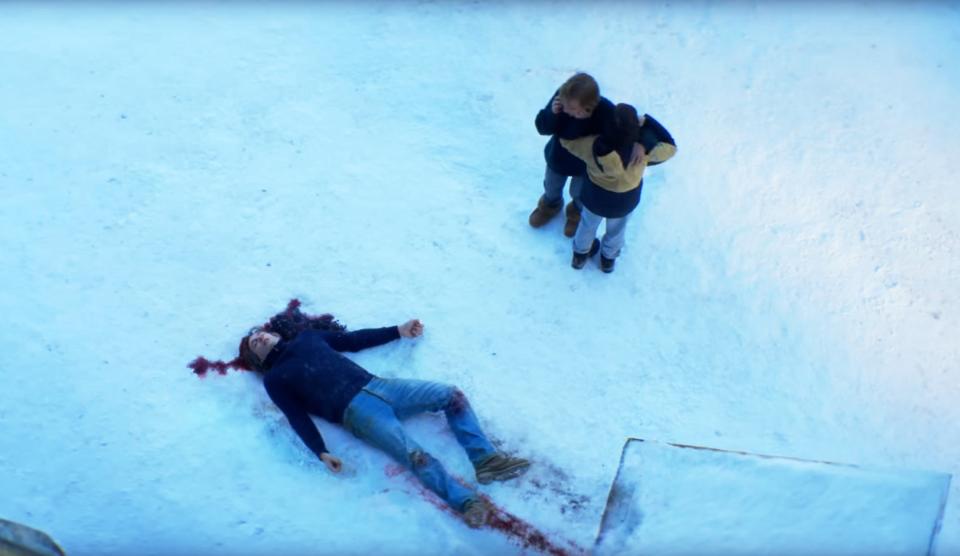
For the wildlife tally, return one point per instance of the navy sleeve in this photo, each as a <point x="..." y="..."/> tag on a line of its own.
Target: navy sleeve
<point x="547" y="122"/>
<point x="652" y="133"/>
<point x="361" y="339"/>
<point x="298" y="416"/>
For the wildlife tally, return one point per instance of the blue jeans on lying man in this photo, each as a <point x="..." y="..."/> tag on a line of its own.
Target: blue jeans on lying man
<point x="374" y="416"/>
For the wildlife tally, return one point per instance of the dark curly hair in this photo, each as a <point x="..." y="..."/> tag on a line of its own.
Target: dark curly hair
<point x="626" y="125"/>
<point x="287" y="323"/>
<point x="622" y="131"/>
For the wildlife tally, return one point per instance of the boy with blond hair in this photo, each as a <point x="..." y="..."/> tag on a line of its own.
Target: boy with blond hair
<point x="575" y="110"/>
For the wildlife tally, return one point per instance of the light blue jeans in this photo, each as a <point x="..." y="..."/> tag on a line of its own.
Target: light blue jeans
<point x="375" y="413"/>
<point x="612" y="241"/>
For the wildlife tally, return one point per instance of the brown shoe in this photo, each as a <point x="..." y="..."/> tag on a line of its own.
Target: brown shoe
<point x="543" y="213"/>
<point x="500" y="467"/>
<point x="476" y="512"/>
<point x="573" y="219"/>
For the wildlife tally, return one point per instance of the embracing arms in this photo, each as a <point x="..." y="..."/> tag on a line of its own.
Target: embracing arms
<point x="656" y="140"/>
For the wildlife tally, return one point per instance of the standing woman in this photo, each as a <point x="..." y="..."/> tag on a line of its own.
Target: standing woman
<point x="615" y="180"/>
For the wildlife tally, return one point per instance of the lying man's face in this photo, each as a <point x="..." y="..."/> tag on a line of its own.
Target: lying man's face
<point x="261" y="342"/>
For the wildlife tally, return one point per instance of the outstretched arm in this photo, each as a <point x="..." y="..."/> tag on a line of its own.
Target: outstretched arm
<point x="362" y="339"/>
<point x="372" y="337"/>
<point x="298" y="417"/>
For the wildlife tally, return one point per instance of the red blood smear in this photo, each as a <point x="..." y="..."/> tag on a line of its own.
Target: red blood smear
<point x="520" y="531"/>
<point x="526" y="534"/>
<point x="458" y="402"/>
<point x="201" y="365"/>
<point x="393" y="469"/>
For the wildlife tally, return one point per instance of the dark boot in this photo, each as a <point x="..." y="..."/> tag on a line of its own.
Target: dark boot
<point x="580" y="259"/>
<point x="544" y="212"/>
<point x="606" y="264"/>
<point x="573" y="219"/>
<point x="500" y="467"/>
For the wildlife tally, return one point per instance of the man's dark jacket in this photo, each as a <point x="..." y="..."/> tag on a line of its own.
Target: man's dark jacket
<point x="307" y="375"/>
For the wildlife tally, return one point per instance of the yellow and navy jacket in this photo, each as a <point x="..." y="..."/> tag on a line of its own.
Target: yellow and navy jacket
<point x="613" y="190"/>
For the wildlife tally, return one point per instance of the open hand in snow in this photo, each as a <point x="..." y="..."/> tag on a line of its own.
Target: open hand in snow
<point x="332" y="462"/>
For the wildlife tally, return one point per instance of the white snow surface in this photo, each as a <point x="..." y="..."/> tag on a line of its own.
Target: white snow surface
<point x="679" y="500"/>
<point x="173" y="173"/>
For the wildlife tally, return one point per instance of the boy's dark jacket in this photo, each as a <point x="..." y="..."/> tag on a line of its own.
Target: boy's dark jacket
<point x="306" y="374"/>
<point x="562" y="126"/>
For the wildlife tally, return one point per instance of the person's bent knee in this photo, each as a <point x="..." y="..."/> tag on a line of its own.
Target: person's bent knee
<point x="419" y="459"/>
<point x="457" y="401"/>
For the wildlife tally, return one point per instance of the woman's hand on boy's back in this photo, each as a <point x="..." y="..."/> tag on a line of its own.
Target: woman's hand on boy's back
<point x="639" y="152"/>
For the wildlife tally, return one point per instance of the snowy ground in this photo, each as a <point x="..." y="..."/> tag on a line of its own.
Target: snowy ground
<point x="671" y="499"/>
<point x="173" y="173"/>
